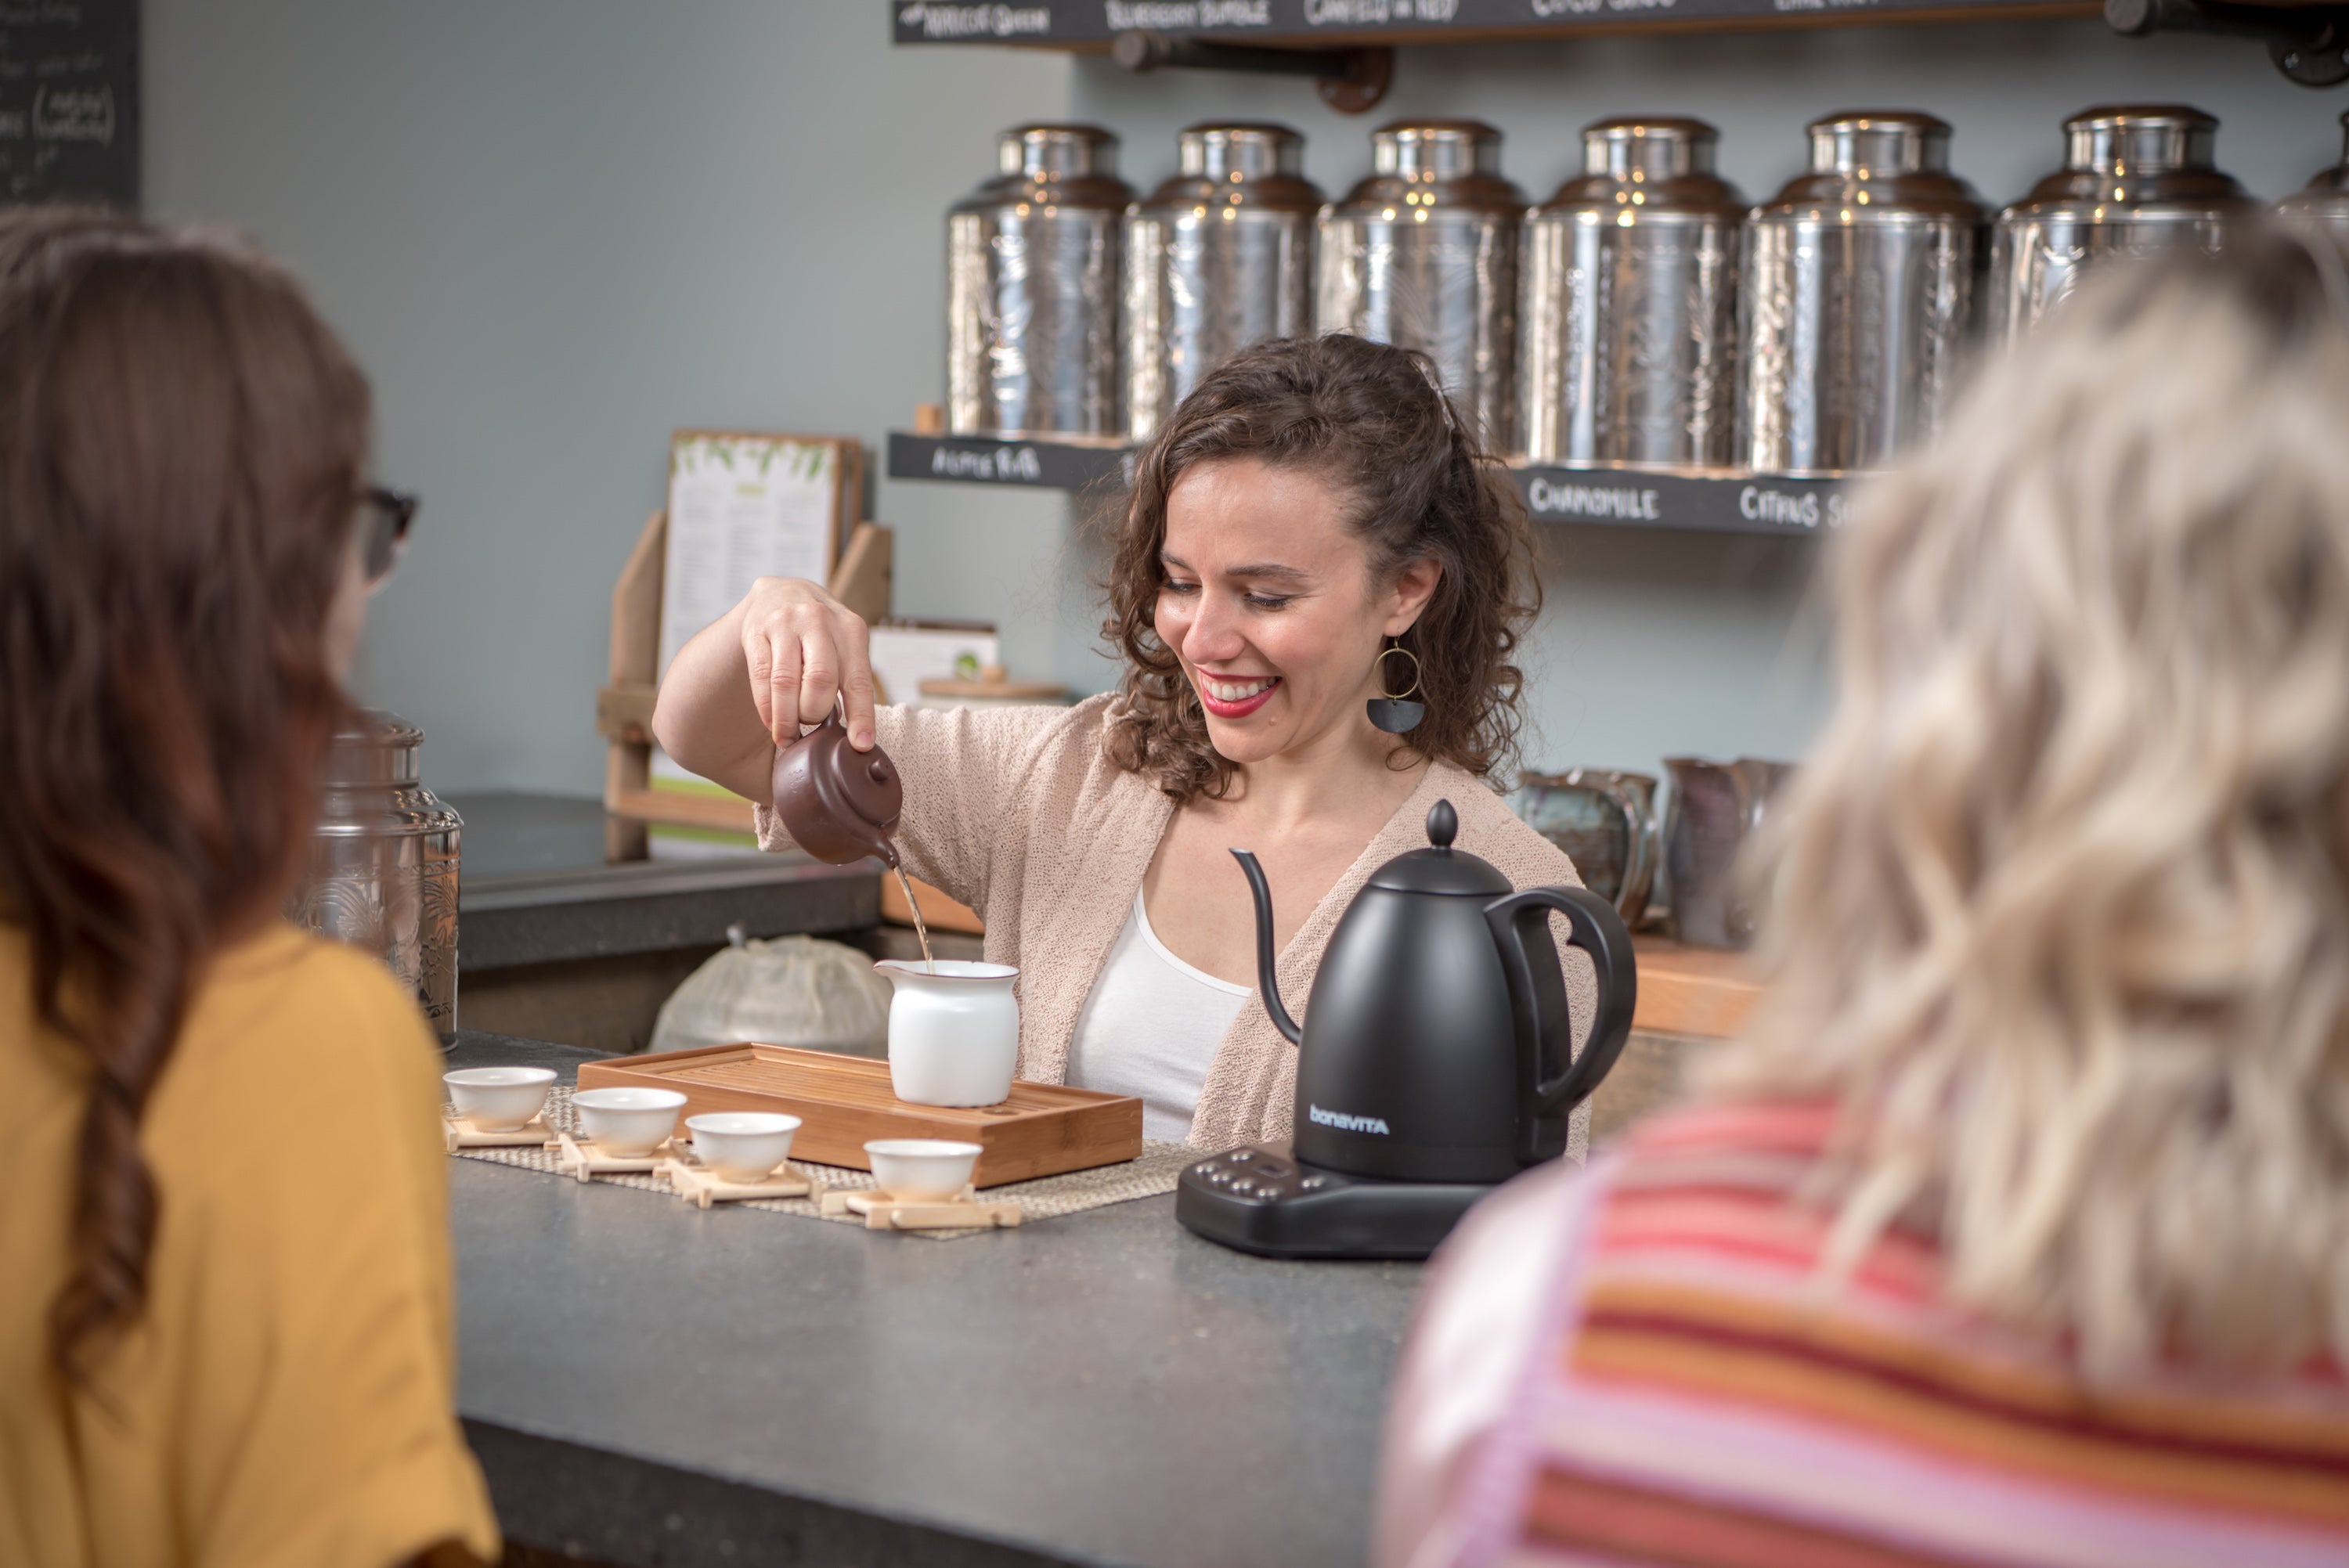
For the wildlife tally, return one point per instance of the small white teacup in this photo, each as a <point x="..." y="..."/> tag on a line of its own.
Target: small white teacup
<point x="499" y="1100"/>
<point x="743" y="1145"/>
<point x="628" y="1123"/>
<point x="921" y="1170"/>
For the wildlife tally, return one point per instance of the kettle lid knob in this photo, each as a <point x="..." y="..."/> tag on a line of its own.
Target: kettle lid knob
<point x="1438" y="867"/>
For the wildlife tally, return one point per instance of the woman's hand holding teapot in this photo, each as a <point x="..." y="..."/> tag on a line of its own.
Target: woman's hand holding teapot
<point x="794" y="650"/>
<point x="802" y="649"/>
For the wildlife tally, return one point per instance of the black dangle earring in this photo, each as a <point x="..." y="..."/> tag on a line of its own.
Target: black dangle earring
<point x="1389" y="710"/>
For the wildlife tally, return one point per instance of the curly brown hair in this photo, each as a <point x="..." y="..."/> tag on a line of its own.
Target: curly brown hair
<point x="1370" y="417"/>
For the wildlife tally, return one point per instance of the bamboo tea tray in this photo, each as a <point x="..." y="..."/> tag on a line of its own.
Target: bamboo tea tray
<point x="1042" y="1129"/>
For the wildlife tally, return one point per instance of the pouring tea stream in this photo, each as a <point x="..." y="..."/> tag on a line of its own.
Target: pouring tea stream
<point x="841" y="805"/>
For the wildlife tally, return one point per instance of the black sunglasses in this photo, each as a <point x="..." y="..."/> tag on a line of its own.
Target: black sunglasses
<point x="388" y="513"/>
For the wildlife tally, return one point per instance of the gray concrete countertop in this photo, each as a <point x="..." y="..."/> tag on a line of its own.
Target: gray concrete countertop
<point x="535" y="890"/>
<point x="650" y="1384"/>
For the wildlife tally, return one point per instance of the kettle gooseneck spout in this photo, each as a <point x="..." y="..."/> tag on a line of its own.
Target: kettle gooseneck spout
<point x="1267" y="981"/>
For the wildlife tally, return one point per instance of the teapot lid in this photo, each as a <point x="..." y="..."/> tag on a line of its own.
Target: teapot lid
<point x="858" y="792"/>
<point x="1440" y="868"/>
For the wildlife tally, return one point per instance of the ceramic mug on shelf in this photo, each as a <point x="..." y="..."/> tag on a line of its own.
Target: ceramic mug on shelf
<point x="954" y="1031"/>
<point x="1605" y="820"/>
<point x="1716" y="807"/>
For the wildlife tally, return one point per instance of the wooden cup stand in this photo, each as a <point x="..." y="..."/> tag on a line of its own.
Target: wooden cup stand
<point x="674" y="1165"/>
<point x="964" y="1211"/>
<point x="700" y="1186"/>
<point x="575" y="1156"/>
<point x="458" y="1132"/>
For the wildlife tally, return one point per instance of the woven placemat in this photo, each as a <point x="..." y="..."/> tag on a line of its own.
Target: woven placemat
<point x="1046" y="1197"/>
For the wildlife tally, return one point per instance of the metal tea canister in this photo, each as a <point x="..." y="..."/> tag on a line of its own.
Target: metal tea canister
<point x="2324" y="201"/>
<point x="1219" y="257"/>
<point x="1855" y="297"/>
<point x="1032" y="281"/>
<point x="1423" y="253"/>
<point x="2136" y="181"/>
<point x="384" y="863"/>
<point x="1630" y="303"/>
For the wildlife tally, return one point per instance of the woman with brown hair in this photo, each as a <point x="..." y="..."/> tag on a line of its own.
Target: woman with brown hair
<point x="1313" y="522"/>
<point x="207" y="1355"/>
<point x="2017" y="1230"/>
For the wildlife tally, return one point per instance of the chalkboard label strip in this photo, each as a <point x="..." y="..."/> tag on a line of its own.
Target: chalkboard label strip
<point x="1095" y="22"/>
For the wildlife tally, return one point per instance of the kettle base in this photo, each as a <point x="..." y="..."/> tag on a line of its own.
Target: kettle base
<point x="1263" y="1200"/>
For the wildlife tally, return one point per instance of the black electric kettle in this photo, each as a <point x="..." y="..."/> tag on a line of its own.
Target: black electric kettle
<point x="1436" y="1058"/>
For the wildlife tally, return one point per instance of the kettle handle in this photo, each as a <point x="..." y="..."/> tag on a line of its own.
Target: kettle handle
<point x="1545" y="1025"/>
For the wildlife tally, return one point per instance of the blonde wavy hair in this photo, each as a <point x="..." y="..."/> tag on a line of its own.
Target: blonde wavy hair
<point x="2061" y="899"/>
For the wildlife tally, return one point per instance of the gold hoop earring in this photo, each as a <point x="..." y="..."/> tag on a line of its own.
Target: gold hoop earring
<point x="1389" y="710"/>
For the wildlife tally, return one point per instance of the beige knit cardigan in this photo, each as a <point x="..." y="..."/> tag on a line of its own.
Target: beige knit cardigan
<point x="1017" y="812"/>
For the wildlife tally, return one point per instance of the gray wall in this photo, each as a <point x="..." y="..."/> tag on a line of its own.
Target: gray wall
<point x="554" y="229"/>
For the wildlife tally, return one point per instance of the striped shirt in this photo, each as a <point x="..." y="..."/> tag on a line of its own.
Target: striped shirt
<point x="1681" y="1389"/>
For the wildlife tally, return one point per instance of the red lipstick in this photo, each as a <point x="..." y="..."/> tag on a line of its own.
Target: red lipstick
<point x="1240" y="709"/>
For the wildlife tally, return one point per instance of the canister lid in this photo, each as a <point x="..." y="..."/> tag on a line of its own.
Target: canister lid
<point x="373" y="747"/>
<point x="1239" y="150"/>
<point x="2132" y="161"/>
<point x="1648" y="146"/>
<point x="1043" y="152"/>
<point x="2140" y="139"/>
<point x="1436" y="149"/>
<point x="1872" y="143"/>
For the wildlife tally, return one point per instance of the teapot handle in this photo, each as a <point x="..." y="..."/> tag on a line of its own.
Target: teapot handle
<point x="1537" y="997"/>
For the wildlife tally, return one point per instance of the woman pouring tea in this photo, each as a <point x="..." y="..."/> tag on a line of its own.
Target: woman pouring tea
<point x="1317" y="587"/>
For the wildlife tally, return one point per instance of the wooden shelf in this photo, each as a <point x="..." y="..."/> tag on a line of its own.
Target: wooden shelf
<point x="1693" y="990"/>
<point x="1090" y="24"/>
<point x="1723" y="501"/>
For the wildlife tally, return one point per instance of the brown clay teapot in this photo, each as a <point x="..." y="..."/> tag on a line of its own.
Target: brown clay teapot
<point x="837" y="803"/>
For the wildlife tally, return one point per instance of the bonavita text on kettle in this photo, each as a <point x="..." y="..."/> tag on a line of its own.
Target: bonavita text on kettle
<point x="1344" y="1123"/>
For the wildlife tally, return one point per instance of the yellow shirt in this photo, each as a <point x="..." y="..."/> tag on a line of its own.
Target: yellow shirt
<point x="287" y="1397"/>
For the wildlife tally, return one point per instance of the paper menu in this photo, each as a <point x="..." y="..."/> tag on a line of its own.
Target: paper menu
<point x="742" y="507"/>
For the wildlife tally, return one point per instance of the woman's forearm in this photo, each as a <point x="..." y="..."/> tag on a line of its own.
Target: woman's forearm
<point x="705" y="718"/>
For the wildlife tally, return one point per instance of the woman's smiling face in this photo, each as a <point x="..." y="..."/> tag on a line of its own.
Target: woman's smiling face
<point x="1268" y="600"/>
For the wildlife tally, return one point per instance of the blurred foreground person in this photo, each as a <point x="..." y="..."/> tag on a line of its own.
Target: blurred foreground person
<point x="214" y="1349"/>
<point x="2017" y="1231"/>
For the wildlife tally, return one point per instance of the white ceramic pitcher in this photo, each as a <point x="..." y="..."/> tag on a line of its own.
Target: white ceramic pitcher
<point x="954" y="1031"/>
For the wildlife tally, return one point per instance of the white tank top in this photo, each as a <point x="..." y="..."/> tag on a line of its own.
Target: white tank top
<point x="1151" y="1027"/>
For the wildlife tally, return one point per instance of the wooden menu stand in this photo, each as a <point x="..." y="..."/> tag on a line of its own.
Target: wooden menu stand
<point x="964" y="1211"/>
<point x="624" y="707"/>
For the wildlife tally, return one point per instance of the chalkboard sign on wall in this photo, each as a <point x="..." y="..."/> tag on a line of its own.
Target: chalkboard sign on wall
<point x="69" y="100"/>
